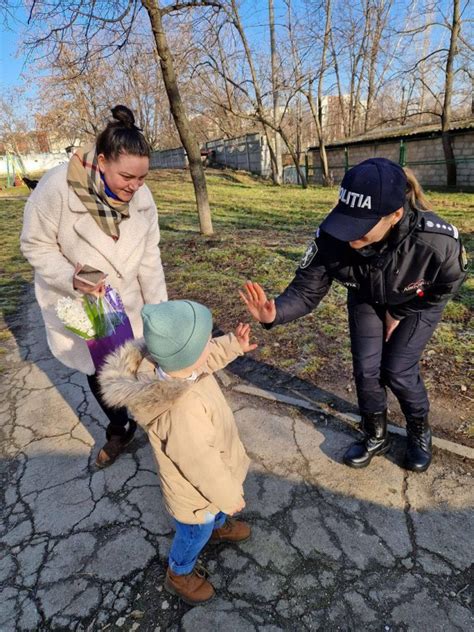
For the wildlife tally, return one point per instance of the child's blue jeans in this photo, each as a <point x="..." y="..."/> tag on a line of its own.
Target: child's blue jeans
<point x="189" y="541"/>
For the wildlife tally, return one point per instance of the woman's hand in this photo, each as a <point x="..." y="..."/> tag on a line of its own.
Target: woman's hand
<point x="97" y="290"/>
<point x="242" y="333"/>
<point x="391" y="324"/>
<point x="259" y="306"/>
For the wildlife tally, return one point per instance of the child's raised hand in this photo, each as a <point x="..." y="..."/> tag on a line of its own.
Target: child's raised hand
<point x="242" y="333"/>
<point x="259" y="306"/>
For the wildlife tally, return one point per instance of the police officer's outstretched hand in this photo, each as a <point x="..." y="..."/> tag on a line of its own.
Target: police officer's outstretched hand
<point x="254" y="297"/>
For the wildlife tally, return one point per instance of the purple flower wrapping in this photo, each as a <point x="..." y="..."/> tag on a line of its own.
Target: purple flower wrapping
<point x="106" y="312"/>
<point x="113" y="298"/>
<point x="100" y="348"/>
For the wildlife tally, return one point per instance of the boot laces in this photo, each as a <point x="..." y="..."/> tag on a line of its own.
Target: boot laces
<point x="418" y="432"/>
<point x="201" y="571"/>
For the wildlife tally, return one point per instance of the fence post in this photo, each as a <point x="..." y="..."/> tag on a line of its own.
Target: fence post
<point x="346" y="160"/>
<point x="403" y="154"/>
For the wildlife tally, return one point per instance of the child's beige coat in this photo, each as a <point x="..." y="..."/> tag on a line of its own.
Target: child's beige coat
<point x="202" y="462"/>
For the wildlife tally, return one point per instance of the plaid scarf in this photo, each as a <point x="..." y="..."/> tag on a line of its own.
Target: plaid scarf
<point x="83" y="175"/>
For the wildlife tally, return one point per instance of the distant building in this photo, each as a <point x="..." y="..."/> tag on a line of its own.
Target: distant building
<point x="418" y="147"/>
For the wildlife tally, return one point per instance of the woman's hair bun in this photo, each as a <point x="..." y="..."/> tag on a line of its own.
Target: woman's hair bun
<point x="122" y="136"/>
<point x="124" y="115"/>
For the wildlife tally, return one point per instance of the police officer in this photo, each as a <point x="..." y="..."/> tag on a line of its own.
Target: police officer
<point x="401" y="263"/>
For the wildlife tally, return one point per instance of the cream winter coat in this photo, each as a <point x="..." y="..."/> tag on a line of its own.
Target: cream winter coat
<point x="201" y="460"/>
<point x="59" y="232"/>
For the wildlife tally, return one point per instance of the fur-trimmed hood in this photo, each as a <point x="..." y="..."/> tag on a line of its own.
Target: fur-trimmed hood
<point x="191" y="428"/>
<point x="128" y="378"/>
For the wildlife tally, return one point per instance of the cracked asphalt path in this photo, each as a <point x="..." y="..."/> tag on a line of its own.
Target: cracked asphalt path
<point x="332" y="548"/>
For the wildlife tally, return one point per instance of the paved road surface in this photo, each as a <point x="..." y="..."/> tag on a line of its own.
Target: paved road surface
<point x="332" y="549"/>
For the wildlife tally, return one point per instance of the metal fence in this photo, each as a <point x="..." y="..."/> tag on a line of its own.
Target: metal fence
<point x="169" y="159"/>
<point x="246" y="153"/>
<point x="429" y="171"/>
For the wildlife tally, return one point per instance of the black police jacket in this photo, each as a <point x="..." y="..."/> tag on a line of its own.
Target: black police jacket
<point x="421" y="264"/>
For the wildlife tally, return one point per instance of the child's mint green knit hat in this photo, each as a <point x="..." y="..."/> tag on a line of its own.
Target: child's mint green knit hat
<point x="176" y="332"/>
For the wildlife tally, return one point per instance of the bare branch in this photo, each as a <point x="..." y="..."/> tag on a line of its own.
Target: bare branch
<point x="192" y="4"/>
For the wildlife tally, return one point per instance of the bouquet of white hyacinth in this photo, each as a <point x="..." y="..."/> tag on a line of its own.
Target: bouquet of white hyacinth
<point x="100" y="321"/>
<point x="93" y="316"/>
<point x="74" y="317"/>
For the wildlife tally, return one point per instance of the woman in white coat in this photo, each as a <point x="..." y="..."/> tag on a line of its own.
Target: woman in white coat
<point x="96" y="211"/>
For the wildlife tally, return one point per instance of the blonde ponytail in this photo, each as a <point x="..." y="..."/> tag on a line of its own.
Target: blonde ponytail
<point x="415" y="195"/>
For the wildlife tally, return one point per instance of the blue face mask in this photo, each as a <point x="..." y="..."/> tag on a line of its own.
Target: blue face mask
<point x="108" y="192"/>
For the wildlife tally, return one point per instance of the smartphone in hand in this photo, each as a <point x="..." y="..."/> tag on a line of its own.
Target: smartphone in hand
<point x="90" y="276"/>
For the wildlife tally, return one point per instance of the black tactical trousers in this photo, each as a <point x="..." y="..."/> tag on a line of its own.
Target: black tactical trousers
<point x="395" y="363"/>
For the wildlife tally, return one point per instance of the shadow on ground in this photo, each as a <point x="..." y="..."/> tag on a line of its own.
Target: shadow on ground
<point x="332" y="548"/>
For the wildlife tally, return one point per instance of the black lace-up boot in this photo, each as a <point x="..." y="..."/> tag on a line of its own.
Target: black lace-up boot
<point x="418" y="455"/>
<point x="376" y="441"/>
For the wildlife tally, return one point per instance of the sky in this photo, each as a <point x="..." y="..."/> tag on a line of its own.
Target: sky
<point x="13" y="62"/>
<point x="254" y="14"/>
<point x="11" y="66"/>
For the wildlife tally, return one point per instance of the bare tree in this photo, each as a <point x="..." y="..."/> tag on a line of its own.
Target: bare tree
<point x="155" y="13"/>
<point x="447" y="57"/>
<point x="74" y="103"/>
<point x="377" y="16"/>
<point x="276" y="162"/>
<point x="96" y="31"/>
<point x="257" y="107"/>
<point x="448" y="95"/>
<point x="314" y="75"/>
<point x="13" y="125"/>
<point x="333" y="69"/>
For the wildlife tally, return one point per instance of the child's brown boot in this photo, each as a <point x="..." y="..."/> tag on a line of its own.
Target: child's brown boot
<point x="192" y="588"/>
<point x="231" y="531"/>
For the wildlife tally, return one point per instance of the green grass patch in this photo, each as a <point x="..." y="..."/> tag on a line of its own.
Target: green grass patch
<point x="261" y="232"/>
<point x="15" y="271"/>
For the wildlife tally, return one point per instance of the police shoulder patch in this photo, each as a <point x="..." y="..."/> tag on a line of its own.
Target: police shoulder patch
<point x="309" y="255"/>
<point x="431" y="223"/>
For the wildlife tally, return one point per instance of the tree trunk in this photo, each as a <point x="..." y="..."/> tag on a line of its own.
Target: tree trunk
<point x="294" y="157"/>
<point x="179" y="115"/>
<point x="323" y="159"/>
<point x="267" y="122"/>
<point x="298" y="131"/>
<point x="373" y="55"/>
<point x="339" y="87"/>
<point x="448" y="91"/>
<point x="277" y="167"/>
<point x="320" y="127"/>
<point x="271" y="150"/>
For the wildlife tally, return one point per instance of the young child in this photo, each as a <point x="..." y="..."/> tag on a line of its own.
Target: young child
<point x="167" y="384"/>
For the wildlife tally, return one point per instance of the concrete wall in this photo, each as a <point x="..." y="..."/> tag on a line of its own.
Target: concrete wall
<point x="290" y="175"/>
<point x="169" y="159"/>
<point x="247" y="153"/>
<point x="34" y="163"/>
<point x="423" y="155"/>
